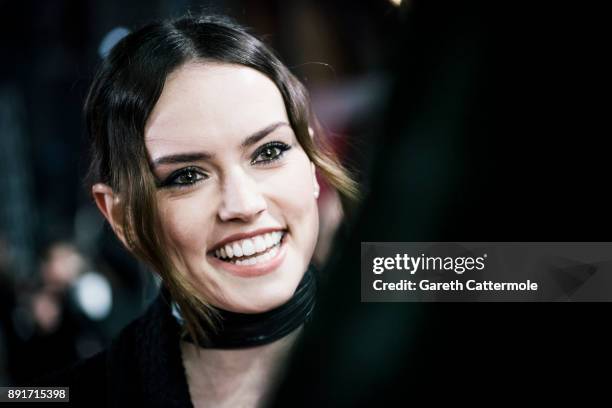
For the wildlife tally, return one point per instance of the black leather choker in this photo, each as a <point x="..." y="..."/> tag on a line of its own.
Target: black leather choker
<point x="241" y="330"/>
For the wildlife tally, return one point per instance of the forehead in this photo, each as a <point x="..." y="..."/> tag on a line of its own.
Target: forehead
<point x="204" y="105"/>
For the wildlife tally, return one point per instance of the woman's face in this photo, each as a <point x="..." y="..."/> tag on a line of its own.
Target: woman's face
<point x="236" y="190"/>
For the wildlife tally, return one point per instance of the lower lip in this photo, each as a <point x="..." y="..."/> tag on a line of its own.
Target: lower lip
<point x="251" y="271"/>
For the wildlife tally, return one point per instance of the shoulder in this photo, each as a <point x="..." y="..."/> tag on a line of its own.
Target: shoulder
<point x="86" y="380"/>
<point x="114" y="374"/>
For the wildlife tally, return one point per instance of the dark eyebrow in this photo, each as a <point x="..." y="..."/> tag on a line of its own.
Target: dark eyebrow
<point x="260" y="134"/>
<point x="181" y="158"/>
<point x="200" y="156"/>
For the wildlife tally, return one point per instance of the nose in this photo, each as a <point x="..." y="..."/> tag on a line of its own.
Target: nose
<point x="241" y="198"/>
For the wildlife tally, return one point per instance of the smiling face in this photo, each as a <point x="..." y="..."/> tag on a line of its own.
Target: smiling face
<point x="236" y="189"/>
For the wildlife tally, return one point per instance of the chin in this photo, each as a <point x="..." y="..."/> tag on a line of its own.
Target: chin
<point x="265" y="299"/>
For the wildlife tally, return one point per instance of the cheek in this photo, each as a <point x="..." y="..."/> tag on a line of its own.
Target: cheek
<point x="186" y="224"/>
<point x="299" y="201"/>
<point x="292" y="194"/>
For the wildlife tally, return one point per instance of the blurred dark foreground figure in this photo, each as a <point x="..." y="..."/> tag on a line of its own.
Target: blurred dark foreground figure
<point x="492" y="134"/>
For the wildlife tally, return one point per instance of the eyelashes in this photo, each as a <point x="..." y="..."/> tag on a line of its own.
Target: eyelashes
<point x="270" y="152"/>
<point x="183" y="178"/>
<point x="265" y="155"/>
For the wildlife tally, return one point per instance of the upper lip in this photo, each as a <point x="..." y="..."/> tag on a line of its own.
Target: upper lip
<point x="243" y="235"/>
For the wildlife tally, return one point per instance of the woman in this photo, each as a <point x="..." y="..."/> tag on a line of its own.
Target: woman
<point x="204" y="161"/>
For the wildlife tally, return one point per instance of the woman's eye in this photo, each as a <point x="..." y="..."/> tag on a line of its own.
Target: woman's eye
<point x="269" y="152"/>
<point x="183" y="178"/>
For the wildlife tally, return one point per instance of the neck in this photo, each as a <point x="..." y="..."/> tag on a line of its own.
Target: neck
<point x="240" y="364"/>
<point x="235" y="377"/>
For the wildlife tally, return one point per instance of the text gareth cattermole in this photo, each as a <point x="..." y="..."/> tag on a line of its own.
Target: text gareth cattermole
<point x="428" y="263"/>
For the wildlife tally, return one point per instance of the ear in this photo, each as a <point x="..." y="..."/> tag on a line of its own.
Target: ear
<point x="315" y="183"/>
<point x="108" y="204"/>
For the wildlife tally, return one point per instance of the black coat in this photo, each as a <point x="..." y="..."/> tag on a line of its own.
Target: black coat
<point x="142" y="367"/>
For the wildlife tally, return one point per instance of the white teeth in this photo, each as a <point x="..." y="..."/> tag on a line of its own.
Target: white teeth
<point x="248" y="248"/>
<point x="260" y="243"/>
<point x="267" y="244"/>
<point x="268" y="240"/>
<point x="243" y="261"/>
<point x="277" y="237"/>
<point x="257" y="259"/>
<point x="237" y="249"/>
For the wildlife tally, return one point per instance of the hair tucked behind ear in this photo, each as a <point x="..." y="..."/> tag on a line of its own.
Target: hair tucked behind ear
<point x="123" y="95"/>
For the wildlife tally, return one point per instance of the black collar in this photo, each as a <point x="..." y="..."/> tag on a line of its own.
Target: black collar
<point x="240" y="330"/>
